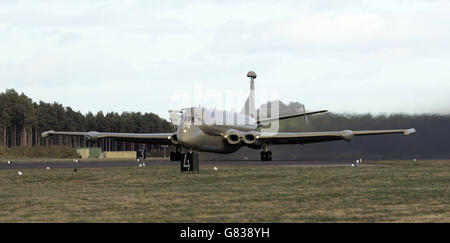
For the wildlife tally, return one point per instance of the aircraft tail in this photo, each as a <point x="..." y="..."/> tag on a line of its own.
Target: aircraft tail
<point x="249" y="107"/>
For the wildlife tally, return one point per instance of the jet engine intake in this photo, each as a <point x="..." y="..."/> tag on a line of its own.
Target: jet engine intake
<point x="233" y="137"/>
<point x="250" y="138"/>
<point x="174" y="139"/>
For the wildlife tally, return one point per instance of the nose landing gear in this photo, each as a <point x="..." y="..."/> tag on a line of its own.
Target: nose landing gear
<point x="176" y="155"/>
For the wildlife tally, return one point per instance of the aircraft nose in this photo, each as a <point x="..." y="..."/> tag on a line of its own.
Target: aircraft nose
<point x="183" y="134"/>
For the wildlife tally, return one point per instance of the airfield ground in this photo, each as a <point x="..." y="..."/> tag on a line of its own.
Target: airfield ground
<point x="398" y="191"/>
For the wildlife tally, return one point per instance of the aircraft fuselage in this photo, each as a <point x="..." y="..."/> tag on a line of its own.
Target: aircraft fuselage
<point x="204" y="130"/>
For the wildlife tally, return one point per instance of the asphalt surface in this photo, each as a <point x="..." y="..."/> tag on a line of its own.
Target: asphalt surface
<point x="15" y="165"/>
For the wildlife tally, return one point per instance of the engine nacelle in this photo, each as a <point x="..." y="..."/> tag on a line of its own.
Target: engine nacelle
<point x="174" y="139"/>
<point x="233" y="136"/>
<point x="251" y="137"/>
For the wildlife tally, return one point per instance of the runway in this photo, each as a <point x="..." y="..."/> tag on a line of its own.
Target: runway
<point x="15" y="165"/>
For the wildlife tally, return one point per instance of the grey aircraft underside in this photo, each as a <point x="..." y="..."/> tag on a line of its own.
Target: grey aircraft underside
<point x="205" y="130"/>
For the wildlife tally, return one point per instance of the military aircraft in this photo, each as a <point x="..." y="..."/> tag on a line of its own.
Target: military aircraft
<point x="206" y="130"/>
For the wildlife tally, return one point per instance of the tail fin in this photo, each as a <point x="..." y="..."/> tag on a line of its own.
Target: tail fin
<point x="249" y="107"/>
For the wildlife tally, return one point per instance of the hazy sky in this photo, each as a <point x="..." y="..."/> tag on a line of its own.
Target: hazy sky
<point x="346" y="56"/>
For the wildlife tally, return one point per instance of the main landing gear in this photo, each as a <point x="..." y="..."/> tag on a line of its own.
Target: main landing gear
<point x="266" y="154"/>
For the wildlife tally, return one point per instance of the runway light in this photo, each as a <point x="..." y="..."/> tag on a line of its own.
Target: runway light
<point x="48" y="168"/>
<point x="20" y="173"/>
<point x="215" y="168"/>
<point x="414" y="160"/>
<point x="9" y="162"/>
<point x="140" y="165"/>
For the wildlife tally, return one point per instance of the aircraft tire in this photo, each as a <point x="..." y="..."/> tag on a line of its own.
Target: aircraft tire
<point x="264" y="156"/>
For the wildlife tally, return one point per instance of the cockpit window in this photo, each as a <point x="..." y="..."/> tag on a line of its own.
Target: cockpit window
<point x="193" y="119"/>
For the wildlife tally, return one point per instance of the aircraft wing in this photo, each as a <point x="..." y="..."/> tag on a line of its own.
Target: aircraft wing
<point x="151" y="138"/>
<point x="315" y="137"/>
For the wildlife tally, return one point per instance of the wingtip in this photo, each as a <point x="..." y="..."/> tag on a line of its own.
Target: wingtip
<point x="46" y="133"/>
<point x="409" y="131"/>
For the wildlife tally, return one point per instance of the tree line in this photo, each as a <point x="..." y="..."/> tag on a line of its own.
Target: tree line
<point x="22" y="121"/>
